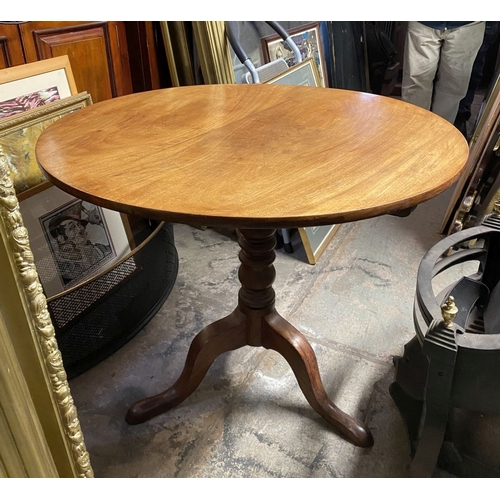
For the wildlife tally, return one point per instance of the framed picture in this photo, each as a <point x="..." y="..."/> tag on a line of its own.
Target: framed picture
<point x="18" y="136"/>
<point x="24" y="309"/>
<point x="71" y="239"/>
<point x="304" y="73"/>
<point x="315" y="240"/>
<point x="308" y="40"/>
<point x="29" y="86"/>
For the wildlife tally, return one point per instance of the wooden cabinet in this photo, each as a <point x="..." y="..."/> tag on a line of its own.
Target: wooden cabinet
<point x="97" y="51"/>
<point x="11" y="48"/>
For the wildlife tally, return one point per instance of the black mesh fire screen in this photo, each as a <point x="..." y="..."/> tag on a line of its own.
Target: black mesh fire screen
<point x="94" y="320"/>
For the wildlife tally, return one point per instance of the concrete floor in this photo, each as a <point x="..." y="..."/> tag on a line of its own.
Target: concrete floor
<point x="248" y="418"/>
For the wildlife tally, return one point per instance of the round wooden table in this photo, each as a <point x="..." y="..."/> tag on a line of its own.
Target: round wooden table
<point x="256" y="158"/>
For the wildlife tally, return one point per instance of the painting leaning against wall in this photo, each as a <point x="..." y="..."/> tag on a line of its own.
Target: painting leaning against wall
<point x="35" y="84"/>
<point x="19" y="134"/>
<point x="29" y="101"/>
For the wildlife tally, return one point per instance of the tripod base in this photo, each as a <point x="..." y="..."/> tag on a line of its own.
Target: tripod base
<point x="254" y="322"/>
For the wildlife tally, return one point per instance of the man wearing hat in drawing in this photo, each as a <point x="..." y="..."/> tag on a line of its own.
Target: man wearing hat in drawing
<point x="82" y="242"/>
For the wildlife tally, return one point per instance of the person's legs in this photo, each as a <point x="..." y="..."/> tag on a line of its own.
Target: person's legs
<point x="421" y="58"/>
<point x="458" y="53"/>
<point x="464" y="108"/>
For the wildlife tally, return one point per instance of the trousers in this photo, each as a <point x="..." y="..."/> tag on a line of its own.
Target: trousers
<point x="437" y="66"/>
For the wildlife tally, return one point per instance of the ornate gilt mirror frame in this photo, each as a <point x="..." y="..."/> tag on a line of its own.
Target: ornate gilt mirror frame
<point x="40" y="434"/>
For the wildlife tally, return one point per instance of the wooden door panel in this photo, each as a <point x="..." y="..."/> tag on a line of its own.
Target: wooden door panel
<point x="97" y="55"/>
<point x="32" y="31"/>
<point x="11" y="50"/>
<point x="88" y="58"/>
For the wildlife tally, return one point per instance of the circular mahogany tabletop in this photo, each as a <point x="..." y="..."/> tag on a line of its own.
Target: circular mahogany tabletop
<point x="253" y="155"/>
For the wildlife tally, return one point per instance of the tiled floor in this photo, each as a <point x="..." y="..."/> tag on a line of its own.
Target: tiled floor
<point x="248" y="418"/>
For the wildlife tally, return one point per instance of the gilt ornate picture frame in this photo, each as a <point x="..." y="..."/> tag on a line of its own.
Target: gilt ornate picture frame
<point x="14" y="236"/>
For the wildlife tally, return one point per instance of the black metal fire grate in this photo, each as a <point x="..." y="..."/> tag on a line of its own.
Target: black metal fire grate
<point x="450" y="370"/>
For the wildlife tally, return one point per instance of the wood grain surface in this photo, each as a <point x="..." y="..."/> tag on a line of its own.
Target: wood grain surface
<point x="253" y="155"/>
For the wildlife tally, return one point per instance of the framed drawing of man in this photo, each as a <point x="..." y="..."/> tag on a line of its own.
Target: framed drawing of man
<point x="71" y="239"/>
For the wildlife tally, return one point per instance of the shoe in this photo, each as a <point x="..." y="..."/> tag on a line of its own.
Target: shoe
<point x="462" y="126"/>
